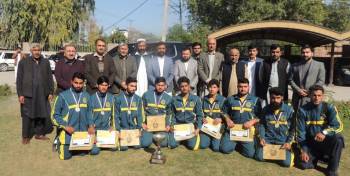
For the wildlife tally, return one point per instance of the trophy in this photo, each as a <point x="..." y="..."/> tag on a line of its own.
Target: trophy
<point x="157" y="156"/>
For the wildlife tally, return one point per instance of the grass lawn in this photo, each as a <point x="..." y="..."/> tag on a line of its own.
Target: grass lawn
<point x="37" y="158"/>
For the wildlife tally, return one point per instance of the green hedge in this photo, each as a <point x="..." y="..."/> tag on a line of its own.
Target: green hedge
<point x="5" y="90"/>
<point x="343" y="109"/>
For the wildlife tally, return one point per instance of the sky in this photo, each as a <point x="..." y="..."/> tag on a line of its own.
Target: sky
<point x="148" y="18"/>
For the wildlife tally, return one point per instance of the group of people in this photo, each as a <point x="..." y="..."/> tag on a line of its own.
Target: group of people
<point x="122" y="91"/>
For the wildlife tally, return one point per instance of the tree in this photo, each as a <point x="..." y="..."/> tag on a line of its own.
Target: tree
<point x="94" y="31"/>
<point x="177" y="33"/>
<point x="221" y="13"/>
<point x="49" y="22"/>
<point x="338" y="15"/>
<point x="117" y="37"/>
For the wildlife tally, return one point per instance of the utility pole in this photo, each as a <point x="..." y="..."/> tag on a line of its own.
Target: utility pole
<point x="180" y="12"/>
<point x="165" y="20"/>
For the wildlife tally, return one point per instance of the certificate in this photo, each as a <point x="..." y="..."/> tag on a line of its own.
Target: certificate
<point x="211" y="129"/>
<point x="156" y="123"/>
<point x="81" y="141"/>
<point x="130" y="137"/>
<point x="274" y="152"/>
<point x="238" y="133"/>
<point x="183" y="131"/>
<point x="107" y="139"/>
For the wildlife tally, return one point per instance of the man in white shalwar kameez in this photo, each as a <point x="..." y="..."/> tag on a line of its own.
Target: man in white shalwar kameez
<point x="141" y="58"/>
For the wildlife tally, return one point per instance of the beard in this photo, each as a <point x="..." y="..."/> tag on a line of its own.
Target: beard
<point x="276" y="106"/>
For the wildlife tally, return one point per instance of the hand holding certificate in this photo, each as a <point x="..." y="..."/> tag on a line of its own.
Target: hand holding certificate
<point x="81" y="141"/>
<point x="211" y="129"/>
<point x="274" y="152"/>
<point x="107" y="139"/>
<point x="184" y="131"/>
<point x="238" y="133"/>
<point x="130" y="137"/>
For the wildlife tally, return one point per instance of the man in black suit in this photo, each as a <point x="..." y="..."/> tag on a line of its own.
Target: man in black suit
<point x="232" y="71"/>
<point x="274" y="73"/>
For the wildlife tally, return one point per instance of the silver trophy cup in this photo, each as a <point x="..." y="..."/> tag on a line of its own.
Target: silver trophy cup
<point x="157" y="156"/>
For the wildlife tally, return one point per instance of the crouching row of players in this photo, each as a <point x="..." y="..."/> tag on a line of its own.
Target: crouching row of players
<point x="318" y="124"/>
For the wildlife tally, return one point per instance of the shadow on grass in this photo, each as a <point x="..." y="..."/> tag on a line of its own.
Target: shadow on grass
<point x="150" y="150"/>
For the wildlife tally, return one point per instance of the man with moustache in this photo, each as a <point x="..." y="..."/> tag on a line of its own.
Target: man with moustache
<point x="243" y="109"/>
<point x="142" y="57"/>
<point x="65" y="68"/>
<point x="187" y="66"/>
<point x="253" y="65"/>
<point x="197" y="50"/>
<point x="99" y="64"/>
<point x="35" y="89"/>
<point x="130" y="113"/>
<point x="70" y="114"/>
<point x="274" y="73"/>
<point x="305" y="74"/>
<point x="161" y="65"/>
<point x="125" y="65"/>
<point x="209" y="66"/>
<point x="276" y="127"/>
<point x="232" y="71"/>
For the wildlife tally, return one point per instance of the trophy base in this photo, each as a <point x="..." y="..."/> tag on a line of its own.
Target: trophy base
<point x="158" y="160"/>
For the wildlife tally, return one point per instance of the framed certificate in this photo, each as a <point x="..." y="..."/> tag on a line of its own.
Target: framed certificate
<point x="211" y="129"/>
<point x="238" y="133"/>
<point x="156" y="123"/>
<point x="274" y="152"/>
<point x="183" y="131"/>
<point x="81" y="141"/>
<point x="107" y="139"/>
<point x="129" y="137"/>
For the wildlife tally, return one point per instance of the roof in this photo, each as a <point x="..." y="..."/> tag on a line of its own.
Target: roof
<point x="290" y="31"/>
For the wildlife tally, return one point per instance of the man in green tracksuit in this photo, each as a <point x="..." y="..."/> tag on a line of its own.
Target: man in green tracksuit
<point x="276" y="126"/>
<point x="158" y="102"/>
<point x="318" y="133"/>
<point x="70" y="115"/>
<point x="101" y="109"/>
<point x="244" y="109"/>
<point x="187" y="108"/>
<point x="212" y="108"/>
<point x="130" y="113"/>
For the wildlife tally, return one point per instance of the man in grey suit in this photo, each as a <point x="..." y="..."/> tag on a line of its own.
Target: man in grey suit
<point x="305" y="74"/>
<point x="99" y="64"/>
<point x="160" y="65"/>
<point x="209" y="66"/>
<point x="187" y="67"/>
<point x="126" y="66"/>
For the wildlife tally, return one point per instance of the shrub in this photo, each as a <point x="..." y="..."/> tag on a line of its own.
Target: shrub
<point x="5" y="90"/>
<point x="343" y="109"/>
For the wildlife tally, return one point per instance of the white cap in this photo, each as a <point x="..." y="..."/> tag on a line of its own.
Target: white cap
<point x="141" y="40"/>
